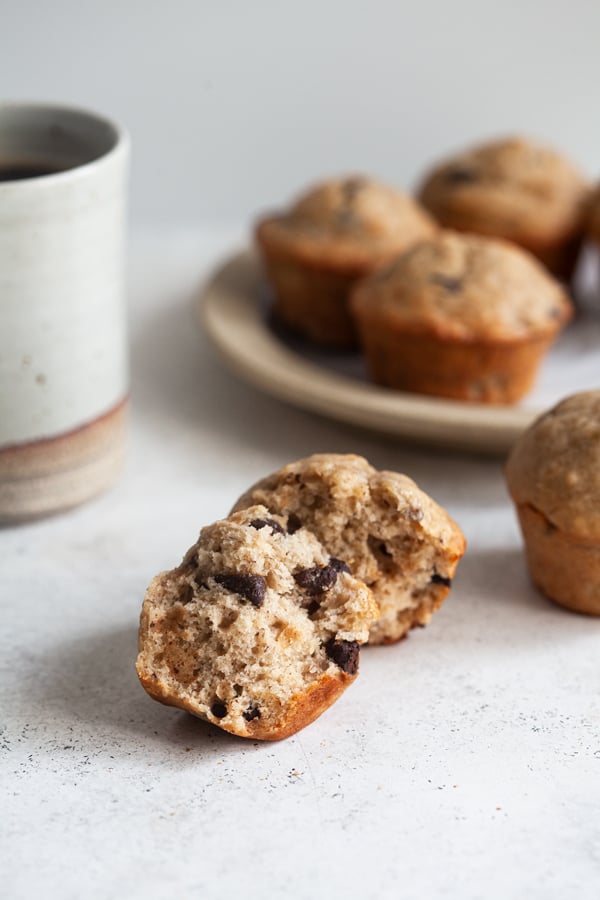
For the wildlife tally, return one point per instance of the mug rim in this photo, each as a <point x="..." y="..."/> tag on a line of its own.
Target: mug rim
<point x="120" y="146"/>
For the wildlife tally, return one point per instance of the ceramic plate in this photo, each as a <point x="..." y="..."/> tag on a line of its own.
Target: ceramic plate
<point x="234" y="307"/>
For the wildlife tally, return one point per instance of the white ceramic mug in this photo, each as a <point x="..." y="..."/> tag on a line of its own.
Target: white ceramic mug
<point x="63" y="343"/>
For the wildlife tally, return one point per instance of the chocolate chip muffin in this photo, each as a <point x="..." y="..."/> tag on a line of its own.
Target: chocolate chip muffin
<point x="333" y="235"/>
<point x="553" y="475"/>
<point x="517" y="190"/>
<point x="257" y="631"/>
<point x="460" y="316"/>
<point x="390" y="533"/>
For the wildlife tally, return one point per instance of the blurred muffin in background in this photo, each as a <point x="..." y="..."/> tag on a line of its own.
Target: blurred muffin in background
<point x="338" y="232"/>
<point x="593" y="222"/>
<point x="460" y="316"/>
<point x="517" y="190"/>
<point x="553" y="475"/>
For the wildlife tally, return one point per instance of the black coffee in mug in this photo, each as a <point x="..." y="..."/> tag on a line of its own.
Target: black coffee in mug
<point x="15" y="170"/>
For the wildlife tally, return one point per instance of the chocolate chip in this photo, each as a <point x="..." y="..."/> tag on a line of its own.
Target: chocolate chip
<point x="267" y="523"/>
<point x="313" y="608"/>
<point x="316" y="580"/>
<point x="219" y="710"/>
<point x="186" y="595"/>
<point x="461" y="175"/>
<point x="253" y="712"/>
<point x="451" y="285"/>
<point x="293" y="523"/>
<point x="251" y="587"/>
<point x="339" y="565"/>
<point x="344" y="654"/>
<point x="441" y="579"/>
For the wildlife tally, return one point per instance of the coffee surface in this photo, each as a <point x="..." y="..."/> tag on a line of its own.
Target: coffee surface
<point x="15" y="170"/>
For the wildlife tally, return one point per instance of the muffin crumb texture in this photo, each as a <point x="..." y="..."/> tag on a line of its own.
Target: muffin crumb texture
<point x="391" y="534"/>
<point x="257" y="631"/>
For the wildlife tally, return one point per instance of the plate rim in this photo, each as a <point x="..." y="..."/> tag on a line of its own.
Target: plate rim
<point x="229" y="308"/>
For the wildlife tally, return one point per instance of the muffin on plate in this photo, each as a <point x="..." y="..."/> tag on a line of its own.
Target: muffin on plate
<point x="553" y="475"/>
<point x="460" y="316"/>
<point x="391" y="534"/>
<point x="593" y="223"/>
<point x="517" y="190"/>
<point x="338" y="232"/>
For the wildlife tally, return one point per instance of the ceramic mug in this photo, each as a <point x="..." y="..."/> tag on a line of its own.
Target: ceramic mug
<point x="63" y="343"/>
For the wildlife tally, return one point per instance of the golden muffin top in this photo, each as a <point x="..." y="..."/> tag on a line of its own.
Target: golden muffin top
<point x="465" y="287"/>
<point x="555" y="466"/>
<point x="512" y="188"/>
<point x="352" y="221"/>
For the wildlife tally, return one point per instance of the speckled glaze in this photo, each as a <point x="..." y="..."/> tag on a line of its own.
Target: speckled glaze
<point x="63" y="348"/>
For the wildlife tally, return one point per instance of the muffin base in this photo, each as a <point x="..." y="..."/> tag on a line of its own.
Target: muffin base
<point x="461" y="370"/>
<point x="303" y="709"/>
<point x="418" y="616"/>
<point x="564" y="567"/>
<point x="313" y="302"/>
<point x="559" y="254"/>
<point x="560" y="257"/>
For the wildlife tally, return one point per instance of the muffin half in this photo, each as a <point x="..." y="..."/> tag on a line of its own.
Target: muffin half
<point x="391" y="534"/>
<point x="257" y="631"/>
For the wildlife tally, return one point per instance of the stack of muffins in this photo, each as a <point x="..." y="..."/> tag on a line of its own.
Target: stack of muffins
<point x="460" y="295"/>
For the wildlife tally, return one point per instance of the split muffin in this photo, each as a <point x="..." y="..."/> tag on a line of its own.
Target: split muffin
<point x="392" y="535"/>
<point x="335" y="234"/>
<point x="460" y="316"/>
<point x="517" y="190"/>
<point x="258" y="630"/>
<point x="553" y="475"/>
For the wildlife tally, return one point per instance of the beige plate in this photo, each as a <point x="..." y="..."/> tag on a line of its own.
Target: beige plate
<point x="234" y="315"/>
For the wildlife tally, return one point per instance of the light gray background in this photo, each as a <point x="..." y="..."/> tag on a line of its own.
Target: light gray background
<point x="233" y="105"/>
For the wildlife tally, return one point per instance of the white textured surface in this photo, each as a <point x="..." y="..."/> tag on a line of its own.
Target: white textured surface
<point x="463" y="764"/>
